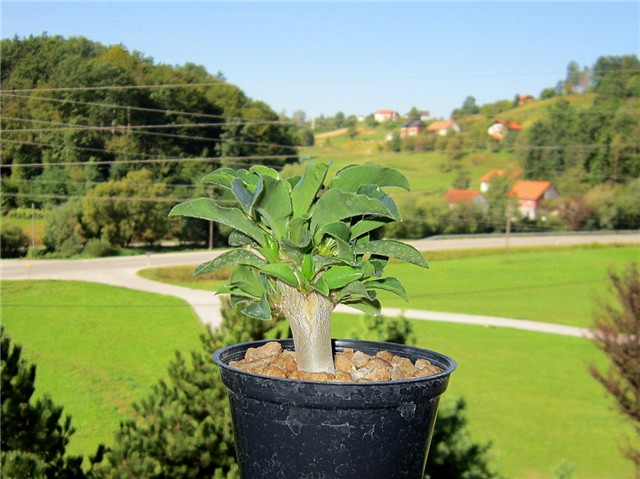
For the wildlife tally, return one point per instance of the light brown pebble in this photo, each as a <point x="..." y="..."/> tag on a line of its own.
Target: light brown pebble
<point x="360" y="359"/>
<point x="344" y="363"/>
<point x="309" y="376"/>
<point x="267" y="350"/>
<point x="386" y="355"/>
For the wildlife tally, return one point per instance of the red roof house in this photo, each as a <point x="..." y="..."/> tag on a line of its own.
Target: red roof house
<point x="499" y="129"/>
<point x="443" y="127"/>
<point x="454" y="197"/>
<point x="530" y="193"/>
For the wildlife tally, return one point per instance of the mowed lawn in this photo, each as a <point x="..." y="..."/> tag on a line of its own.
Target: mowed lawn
<point x="97" y="348"/>
<point x="550" y="284"/>
<point x="531" y="395"/>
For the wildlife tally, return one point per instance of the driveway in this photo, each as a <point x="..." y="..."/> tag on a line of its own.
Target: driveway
<point x="123" y="271"/>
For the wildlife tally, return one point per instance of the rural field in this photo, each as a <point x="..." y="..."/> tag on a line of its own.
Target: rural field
<point x="98" y="348"/>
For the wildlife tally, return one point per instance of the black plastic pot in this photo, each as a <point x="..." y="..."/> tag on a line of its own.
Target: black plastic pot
<point x="294" y="429"/>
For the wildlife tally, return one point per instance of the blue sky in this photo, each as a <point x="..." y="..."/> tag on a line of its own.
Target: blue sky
<point x="355" y="57"/>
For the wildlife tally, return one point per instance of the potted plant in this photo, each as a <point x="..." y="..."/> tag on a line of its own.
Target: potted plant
<point x="301" y="246"/>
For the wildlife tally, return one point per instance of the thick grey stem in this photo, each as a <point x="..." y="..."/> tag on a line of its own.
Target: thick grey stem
<point x="309" y="316"/>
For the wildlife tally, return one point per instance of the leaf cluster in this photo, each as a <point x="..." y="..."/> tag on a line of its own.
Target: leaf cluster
<point x="309" y="234"/>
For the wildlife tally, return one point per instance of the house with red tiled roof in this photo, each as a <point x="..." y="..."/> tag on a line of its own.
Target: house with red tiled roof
<point x="454" y="197"/>
<point x="485" y="180"/>
<point x="526" y="98"/>
<point x="530" y="194"/>
<point x="443" y="127"/>
<point x="500" y="128"/>
<point x="386" y="115"/>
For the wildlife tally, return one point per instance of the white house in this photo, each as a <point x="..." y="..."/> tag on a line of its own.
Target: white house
<point x="386" y="115"/>
<point x="530" y="194"/>
<point x="444" y="127"/>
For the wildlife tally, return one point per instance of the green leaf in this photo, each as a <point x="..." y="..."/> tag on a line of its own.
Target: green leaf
<point x="207" y="209"/>
<point x="220" y="177"/>
<point x="352" y="177"/>
<point x="339" y="230"/>
<point x="374" y="191"/>
<point x="321" y="286"/>
<point x="388" y="284"/>
<point x="274" y="205"/>
<point x="265" y="171"/>
<point x="392" y="249"/>
<point x="230" y="258"/>
<point x="244" y="280"/>
<point x="340" y="276"/>
<point x="365" y="226"/>
<point x="336" y="205"/>
<point x="305" y="191"/>
<point x="236" y="238"/>
<point x="245" y="197"/>
<point x="372" y="307"/>
<point x="259" y="309"/>
<point x="355" y="289"/>
<point x="308" y="270"/>
<point x="282" y="272"/>
<point x="298" y="232"/>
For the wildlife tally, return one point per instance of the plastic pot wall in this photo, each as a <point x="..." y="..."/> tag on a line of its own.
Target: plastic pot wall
<point x="294" y="429"/>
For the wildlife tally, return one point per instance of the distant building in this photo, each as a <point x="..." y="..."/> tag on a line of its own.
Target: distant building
<point x="454" y="197"/>
<point x="499" y="129"/>
<point x="530" y="194"/>
<point x="525" y="99"/>
<point x="443" y="127"/>
<point x="485" y="180"/>
<point x="386" y="115"/>
<point x="412" y="128"/>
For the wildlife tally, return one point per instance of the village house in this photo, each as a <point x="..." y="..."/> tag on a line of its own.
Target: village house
<point x="499" y="129"/>
<point x="443" y="127"/>
<point x="412" y="128"/>
<point x="530" y="194"/>
<point x="525" y="99"/>
<point x="485" y="180"/>
<point x="386" y="115"/>
<point x="455" y="197"/>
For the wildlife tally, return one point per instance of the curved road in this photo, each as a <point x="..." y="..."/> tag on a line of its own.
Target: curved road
<point x="123" y="271"/>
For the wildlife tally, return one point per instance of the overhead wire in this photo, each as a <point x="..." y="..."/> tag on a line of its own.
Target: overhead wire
<point x="152" y="110"/>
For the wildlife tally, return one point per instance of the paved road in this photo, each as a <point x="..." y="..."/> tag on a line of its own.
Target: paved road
<point x="122" y="271"/>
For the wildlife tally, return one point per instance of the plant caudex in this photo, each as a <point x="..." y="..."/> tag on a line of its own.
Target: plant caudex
<point x="302" y="246"/>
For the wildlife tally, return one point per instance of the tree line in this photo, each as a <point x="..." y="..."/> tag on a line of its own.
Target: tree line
<point x="81" y="119"/>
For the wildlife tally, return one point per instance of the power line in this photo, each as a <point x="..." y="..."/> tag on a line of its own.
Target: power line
<point x="152" y="110"/>
<point x="154" y="160"/>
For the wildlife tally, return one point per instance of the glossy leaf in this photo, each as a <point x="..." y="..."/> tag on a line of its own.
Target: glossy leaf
<point x="258" y="309"/>
<point x="352" y="177"/>
<point x="244" y="280"/>
<point x="392" y="249"/>
<point x="282" y="272"/>
<point x="340" y="276"/>
<point x="336" y="205"/>
<point x="390" y="284"/>
<point x="305" y="191"/>
<point x="372" y="307"/>
<point x="230" y="258"/>
<point x="274" y="205"/>
<point x="220" y="177"/>
<point x="207" y="209"/>
<point x="245" y="197"/>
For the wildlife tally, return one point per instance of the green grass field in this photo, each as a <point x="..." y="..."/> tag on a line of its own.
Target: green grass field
<point x="550" y="284"/>
<point x="97" y="348"/>
<point x="530" y="394"/>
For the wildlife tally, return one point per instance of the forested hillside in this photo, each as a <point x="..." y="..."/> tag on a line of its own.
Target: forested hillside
<point x="83" y="120"/>
<point x="99" y="142"/>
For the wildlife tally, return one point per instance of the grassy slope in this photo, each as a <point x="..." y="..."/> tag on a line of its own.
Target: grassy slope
<point x="98" y="348"/>
<point x="428" y="172"/>
<point x="556" y="285"/>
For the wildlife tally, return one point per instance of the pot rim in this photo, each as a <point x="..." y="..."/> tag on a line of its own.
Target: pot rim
<point x="444" y="362"/>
